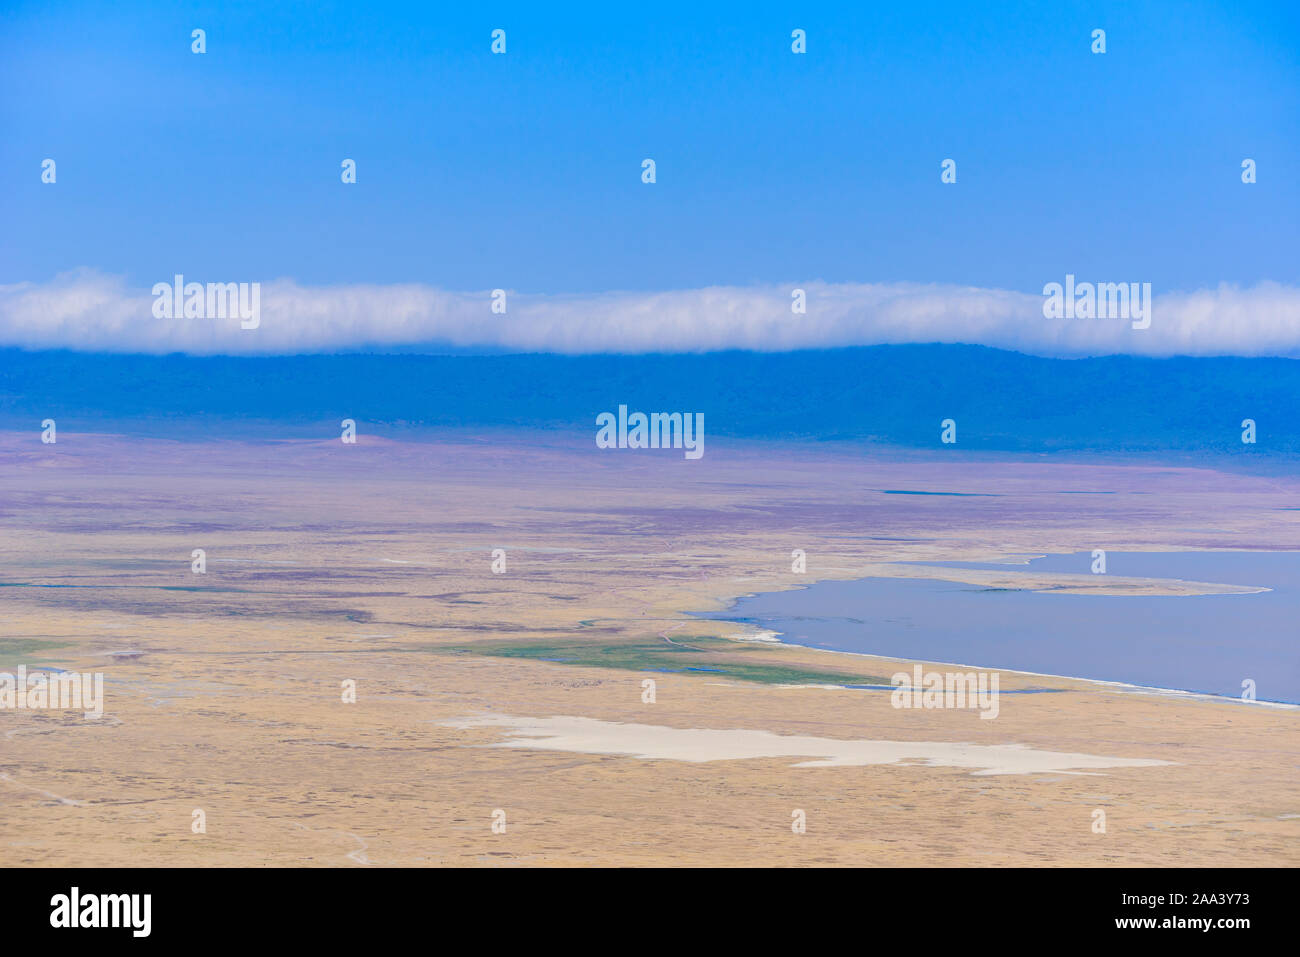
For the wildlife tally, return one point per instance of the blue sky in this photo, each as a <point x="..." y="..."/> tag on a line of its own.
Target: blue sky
<point x="523" y="171"/>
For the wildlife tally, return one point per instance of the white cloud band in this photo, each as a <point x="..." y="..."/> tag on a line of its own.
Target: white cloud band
<point x="90" y="311"/>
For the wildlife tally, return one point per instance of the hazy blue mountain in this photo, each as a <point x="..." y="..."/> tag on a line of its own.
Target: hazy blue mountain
<point x="897" y="395"/>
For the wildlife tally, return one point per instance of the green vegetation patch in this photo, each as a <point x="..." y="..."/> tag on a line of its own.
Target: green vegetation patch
<point x="685" y="655"/>
<point x="27" y="651"/>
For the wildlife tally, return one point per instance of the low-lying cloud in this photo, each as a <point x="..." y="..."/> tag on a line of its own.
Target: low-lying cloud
<point x="91" y="311"/>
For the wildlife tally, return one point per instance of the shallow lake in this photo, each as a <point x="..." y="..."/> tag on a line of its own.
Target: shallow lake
<point x="1206" y="643"/>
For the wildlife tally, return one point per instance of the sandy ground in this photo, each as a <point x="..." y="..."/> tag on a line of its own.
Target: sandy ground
<point x="658" y="743"/>
<point x="371" y="564"/>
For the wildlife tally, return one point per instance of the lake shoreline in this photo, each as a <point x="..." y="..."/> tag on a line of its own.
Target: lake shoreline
<point x="771" y="627"/>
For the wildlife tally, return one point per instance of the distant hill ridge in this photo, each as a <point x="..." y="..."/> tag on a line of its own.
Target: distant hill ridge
<point x="897" y="395"/>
